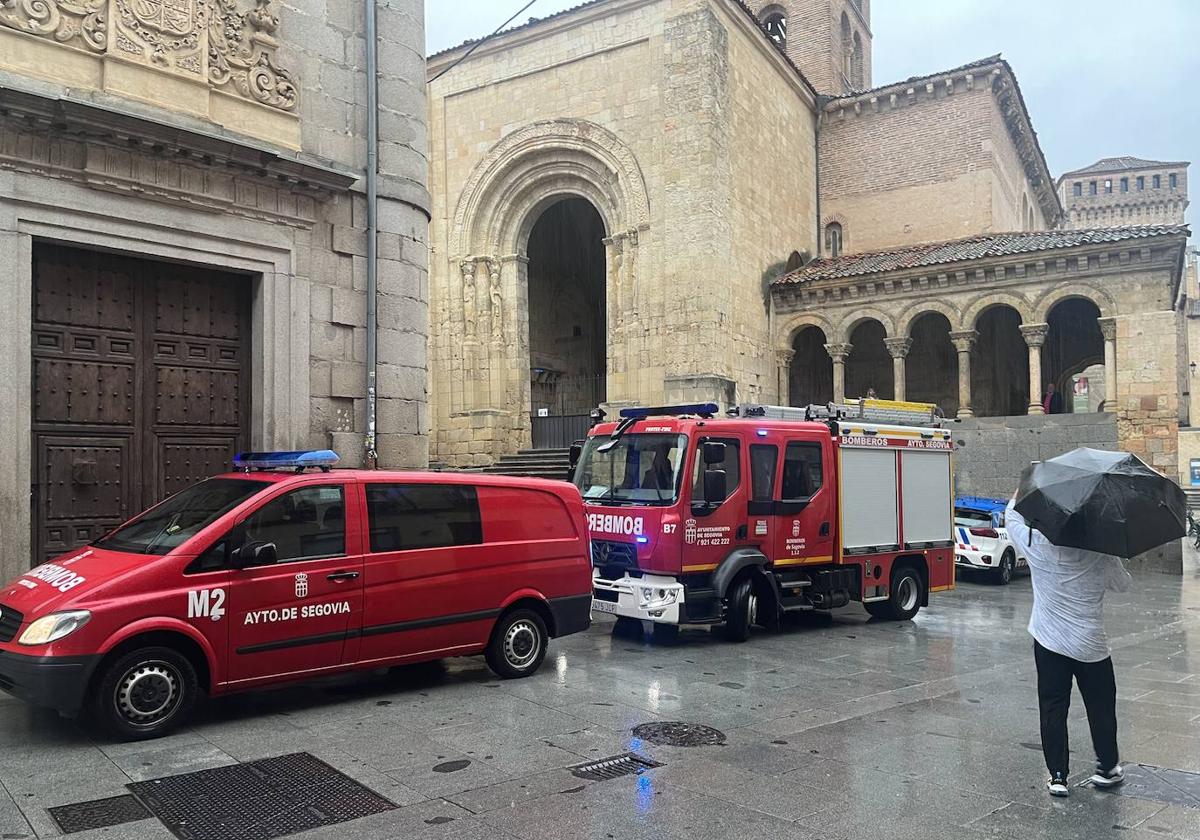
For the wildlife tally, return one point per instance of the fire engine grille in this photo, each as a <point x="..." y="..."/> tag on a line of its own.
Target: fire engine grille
<point x="613" y="767"/>
<point x="272" y="797"/>
<point x="99" y="813"/>
<point x="10" y="622"/>
<point x="677" y="734"/>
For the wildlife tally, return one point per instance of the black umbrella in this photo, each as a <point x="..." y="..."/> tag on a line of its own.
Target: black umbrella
<point x="1108" y="502"/>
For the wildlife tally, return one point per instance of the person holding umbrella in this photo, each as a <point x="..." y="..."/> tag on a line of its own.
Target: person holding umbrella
<point x="1076" y="516"/>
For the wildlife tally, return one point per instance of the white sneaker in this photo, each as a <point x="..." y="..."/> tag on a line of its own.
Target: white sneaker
<point x="1109" y="779"/>
<point x="1058" y="786"/>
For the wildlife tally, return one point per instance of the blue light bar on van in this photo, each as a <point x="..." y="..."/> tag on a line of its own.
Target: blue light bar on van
<point x="320" y="458"/>
<point x="701" y="409"/>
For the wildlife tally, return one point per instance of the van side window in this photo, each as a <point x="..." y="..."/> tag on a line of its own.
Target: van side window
<point x="762" y="472"/>
<point x="802" y="474"/>
<point x="731" y="465"/>
<point x="406" y="517"/>
<point x="305" y="524"/>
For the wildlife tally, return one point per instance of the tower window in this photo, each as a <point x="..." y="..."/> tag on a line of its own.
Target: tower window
<point x="1141" y="183"/>
<point x="1079" y="188"/>
<point x="1108" y="186"/>
<point x="833" y="240"/>
<point x="1173" y="180"/>
<point x="1158" y="182"/>
<point x="776" y="25"/>
<point x="1124" y="185"/>
<point x="1091" y="188"/>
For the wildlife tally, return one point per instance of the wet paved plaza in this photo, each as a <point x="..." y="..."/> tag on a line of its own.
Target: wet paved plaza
<point x="837" y="727"/>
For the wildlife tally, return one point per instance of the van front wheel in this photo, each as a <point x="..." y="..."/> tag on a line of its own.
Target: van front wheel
<point x="518" y="644"/>
<point x="145" y="693"/>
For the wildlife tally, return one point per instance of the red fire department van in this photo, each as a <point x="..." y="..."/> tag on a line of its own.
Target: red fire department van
<point x="278" y="574"/>
<point x="701" y="519"/>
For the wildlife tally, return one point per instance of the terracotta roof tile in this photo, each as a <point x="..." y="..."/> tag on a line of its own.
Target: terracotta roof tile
<point x="973" y="248"/>
<point x="1119" y="164"/>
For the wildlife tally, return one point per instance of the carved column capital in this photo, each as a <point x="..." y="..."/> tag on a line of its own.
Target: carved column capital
<point x="1108" y="328"/>
<point x="1035" y="334"/>
<point x="964" y="340"/>
<point x="838" y="352"/>
<point x="467" y="267"/>
<point x="898" y="347"/>
<point x="784" y="357"/>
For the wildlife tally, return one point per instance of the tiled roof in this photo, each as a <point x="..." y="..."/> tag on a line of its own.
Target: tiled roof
<point x="533" y="21"/>
<point x="1119" y="164"/>
<point x="973" y="248"/>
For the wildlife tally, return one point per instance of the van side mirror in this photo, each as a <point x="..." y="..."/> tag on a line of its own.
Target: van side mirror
<point x="255" y="554"/>
<point x="714" y="452"/>
<point x="715" y="486"/>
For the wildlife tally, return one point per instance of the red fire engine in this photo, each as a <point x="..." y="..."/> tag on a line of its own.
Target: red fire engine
<point x="700" y="519"/>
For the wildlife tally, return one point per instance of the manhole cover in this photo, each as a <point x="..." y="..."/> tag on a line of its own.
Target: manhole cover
<point x="614" y="767"/>
<point x="272" y="797"/>
<point x="99" y="813"/>
<point x="1161" y="784"/>
<point x="676" y="734"/>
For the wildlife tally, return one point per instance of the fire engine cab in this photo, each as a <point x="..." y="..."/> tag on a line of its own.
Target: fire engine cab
<point x="696" y="518"/>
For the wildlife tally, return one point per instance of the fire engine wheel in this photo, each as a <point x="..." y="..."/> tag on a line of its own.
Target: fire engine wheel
<point x="145" y="693"/>
<point x="1004" y="572"/>
<point x="518" y="644"/>
<point x="905" y="599"/>
<point x="741" y="610"/>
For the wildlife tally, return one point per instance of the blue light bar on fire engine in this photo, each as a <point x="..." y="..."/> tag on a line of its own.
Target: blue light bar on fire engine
<point x="701" y="409"/>
<point x="320" y="458"/>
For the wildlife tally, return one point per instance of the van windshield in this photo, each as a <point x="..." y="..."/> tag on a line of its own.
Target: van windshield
<point x="644" y="469"/>
<point x="180" y="517"/>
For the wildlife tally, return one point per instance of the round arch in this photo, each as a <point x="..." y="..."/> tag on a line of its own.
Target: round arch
<point x="916" y="311"/>
<point x="524" y="172"/>
<point x="810" y="373"/>
<point x="854" y="321"/>
<point x="869" y="367"/>
<point x="1053" y="297"/>
<point x="794" y="325"/>
<point x="1023" y="307"/>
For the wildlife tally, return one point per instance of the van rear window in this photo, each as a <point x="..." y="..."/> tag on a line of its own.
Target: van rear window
<point x="407" y="517"/>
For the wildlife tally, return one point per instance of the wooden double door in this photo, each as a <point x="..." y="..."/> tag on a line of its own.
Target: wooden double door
<point x="140" y="379"/>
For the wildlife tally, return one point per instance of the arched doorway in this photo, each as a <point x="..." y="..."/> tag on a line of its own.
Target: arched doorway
<point x="1074" y="354"/>
<point x="567" y="321"/>
<point x="811" y="373"/>
<point x="931" y="368"/>
<point x="869" y="364"/>
<point x="1000" y="367"/>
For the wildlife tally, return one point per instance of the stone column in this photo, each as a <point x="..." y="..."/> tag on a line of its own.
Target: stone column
<point x="839" y="352"/>
<point x="1035" y="337"/>
<point x="1108" y="328"/>
<point x="16" y="398"/>
<point x="899" y="348"/>
<point x="964" y="343"/>
<point x="783" y="376"/>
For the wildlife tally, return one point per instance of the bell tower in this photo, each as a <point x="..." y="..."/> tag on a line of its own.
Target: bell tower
<point x="829" y="40"/>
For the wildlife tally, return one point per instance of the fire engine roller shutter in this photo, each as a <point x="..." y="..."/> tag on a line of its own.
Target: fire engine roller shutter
<point x="139" y="387"/>
<point x="926" y="488"/>
<point x="869" y="516"/>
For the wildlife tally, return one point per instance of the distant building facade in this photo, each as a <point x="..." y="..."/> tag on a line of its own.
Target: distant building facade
<point x="183" y="249"/>
<point x="1122" y="191"/>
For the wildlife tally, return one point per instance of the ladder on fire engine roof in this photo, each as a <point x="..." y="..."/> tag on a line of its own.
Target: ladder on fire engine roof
<point x="884" y="412"/>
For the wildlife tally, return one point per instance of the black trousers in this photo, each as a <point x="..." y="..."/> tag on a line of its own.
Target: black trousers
<point x="1098" y="686"/>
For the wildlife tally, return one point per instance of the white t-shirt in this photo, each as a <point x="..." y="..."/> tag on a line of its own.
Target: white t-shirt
<point x="1068" y="592"/>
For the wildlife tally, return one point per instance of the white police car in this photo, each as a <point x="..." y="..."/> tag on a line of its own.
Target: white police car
<point x="982" y="541"/>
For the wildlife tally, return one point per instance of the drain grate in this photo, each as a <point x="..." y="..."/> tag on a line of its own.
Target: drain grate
<point x="628" y="764"/>
<point x="272" y="797"/>
<point x="1161" y="784"/>
<point x="99" y="813"/>
<point x="676" y="734"/>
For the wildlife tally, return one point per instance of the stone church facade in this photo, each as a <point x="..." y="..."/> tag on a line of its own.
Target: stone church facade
<point x="183" y="235"/>
<point x="774" y="228"/>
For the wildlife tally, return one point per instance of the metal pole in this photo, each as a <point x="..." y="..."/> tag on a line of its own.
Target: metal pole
<point x="372" y="455"/>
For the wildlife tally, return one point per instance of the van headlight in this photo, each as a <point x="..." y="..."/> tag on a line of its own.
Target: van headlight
<point x="655" y="598"/>
<point x="51" y="628"/>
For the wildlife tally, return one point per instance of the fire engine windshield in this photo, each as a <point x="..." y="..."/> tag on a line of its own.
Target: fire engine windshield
<point x="643" y="469"/>
<point x="182" y="516"/>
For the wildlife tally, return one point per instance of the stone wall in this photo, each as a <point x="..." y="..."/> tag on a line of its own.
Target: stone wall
<point x="1112" y="206"/>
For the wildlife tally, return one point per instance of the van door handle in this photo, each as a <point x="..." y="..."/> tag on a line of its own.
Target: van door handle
<point x="824" y="529"/>
<point x="340" y="576"/>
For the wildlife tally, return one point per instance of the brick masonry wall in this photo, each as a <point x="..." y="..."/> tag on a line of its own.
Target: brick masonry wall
<point x="1162" y="206"/>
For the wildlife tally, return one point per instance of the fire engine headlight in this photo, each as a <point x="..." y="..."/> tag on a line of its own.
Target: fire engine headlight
<point x="655" y="599"/>
<point x="51" y="628"/>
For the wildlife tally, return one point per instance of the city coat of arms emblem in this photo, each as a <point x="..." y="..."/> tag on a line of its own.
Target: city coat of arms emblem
<point x="174" y="18"/>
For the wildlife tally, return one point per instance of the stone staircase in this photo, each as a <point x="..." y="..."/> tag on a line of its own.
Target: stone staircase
<point x="533" y="463"/>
